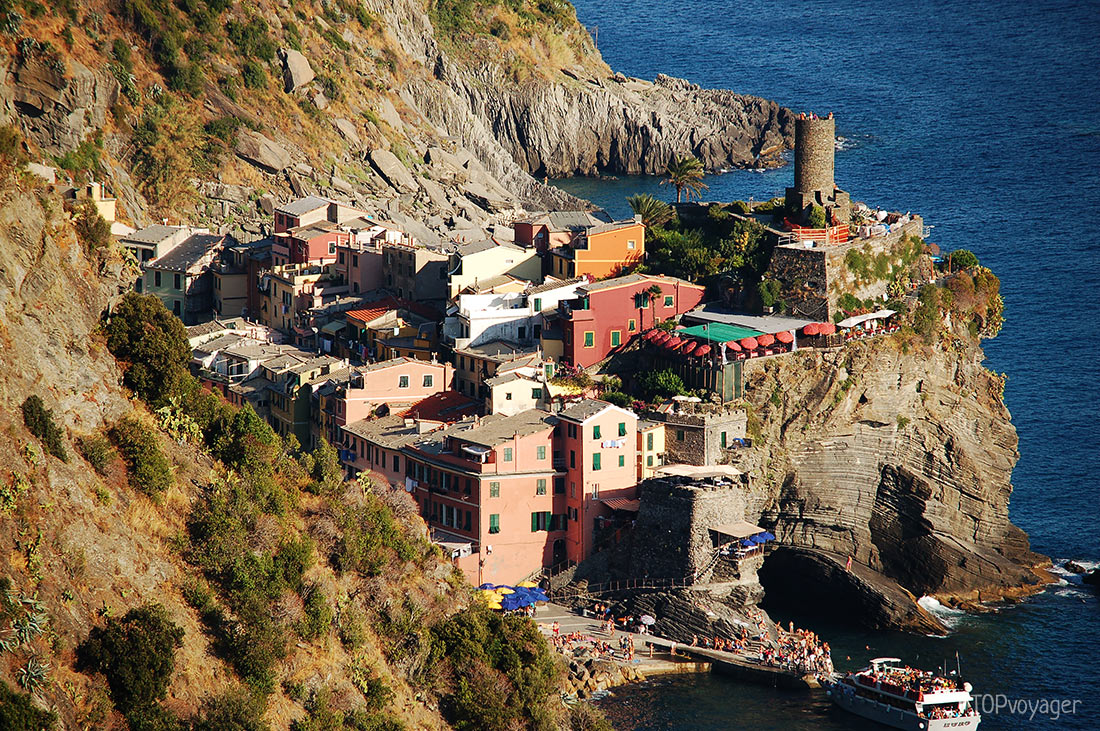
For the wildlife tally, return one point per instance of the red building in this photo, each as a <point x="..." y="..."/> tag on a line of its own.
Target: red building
<point x="607" y="314"/>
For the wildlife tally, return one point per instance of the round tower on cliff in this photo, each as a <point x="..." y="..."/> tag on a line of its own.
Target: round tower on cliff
<point x="814" y="151"/>
<point x="814" y="145"/>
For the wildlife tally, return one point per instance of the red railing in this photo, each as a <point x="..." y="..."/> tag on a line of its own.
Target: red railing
<point x="833" y="235"/>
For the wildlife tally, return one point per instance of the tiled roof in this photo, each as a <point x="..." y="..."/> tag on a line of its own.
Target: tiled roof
<point x="303" y="205"/>
<point x="634" y="279"/>
<point x="387" y="431"/>
<point x="550" y="284"/>
<point x="506" y="378"/>
<point x="187" y="255"/>
<point x="569" y="220"/>
<point x="497" y="429"/>
<point x="584" y="410"/>
<point x="152" y="234"/>
<point x="497" y="350"/>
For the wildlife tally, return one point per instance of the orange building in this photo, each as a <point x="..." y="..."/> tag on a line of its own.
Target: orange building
<point x="601" y="251"/>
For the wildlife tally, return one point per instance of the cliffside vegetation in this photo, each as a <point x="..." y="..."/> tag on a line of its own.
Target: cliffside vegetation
<point x="189" y="569"/>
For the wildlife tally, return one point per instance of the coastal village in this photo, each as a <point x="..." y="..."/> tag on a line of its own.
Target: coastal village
<point x="485" y="378"/>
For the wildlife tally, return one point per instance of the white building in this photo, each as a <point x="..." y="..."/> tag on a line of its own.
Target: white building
<point x="512" y="316"/>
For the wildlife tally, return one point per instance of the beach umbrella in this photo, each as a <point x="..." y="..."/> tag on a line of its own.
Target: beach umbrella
<point x="487" y="587"/>
<point x="527" y="584"/>
<point x="768" y="536"/>
<point x="747" y="543"/>
<point x="765" y="340"/>
<point x="734" y="346"/>
<point x="810" y="329"/>
<point x="687" y="346"/>
<point x="749" y="343"/>
<point x="702" y="350"/>
<point x="673" y="342"/>
<point x="785" y="337"/>
<point x="826" y="328"/>
<point x="505" y="590"/>
<point x="647" y="620"/>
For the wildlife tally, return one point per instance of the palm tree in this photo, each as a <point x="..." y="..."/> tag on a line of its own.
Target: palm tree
<point x="653" y="212"/>
<point x="685" y="174"/>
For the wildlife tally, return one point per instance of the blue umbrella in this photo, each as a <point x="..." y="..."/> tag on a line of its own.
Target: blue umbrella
<point x="768" y="536"/>
<point x="747" y="543"/>
<point x="487" y="587"/>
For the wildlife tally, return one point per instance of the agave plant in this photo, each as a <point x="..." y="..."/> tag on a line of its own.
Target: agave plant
<point x="8" y="640"/>
<point x="29" y="626"/>
<point x="32" y="676"/>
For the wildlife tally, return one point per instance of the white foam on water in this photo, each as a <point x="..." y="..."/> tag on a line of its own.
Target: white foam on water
<point x="949" y="616"/>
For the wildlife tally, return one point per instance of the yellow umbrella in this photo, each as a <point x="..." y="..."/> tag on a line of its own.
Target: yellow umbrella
<point x="527" y="584"/>
<point x="505" y="590"/>
<point x="494" y="605"/>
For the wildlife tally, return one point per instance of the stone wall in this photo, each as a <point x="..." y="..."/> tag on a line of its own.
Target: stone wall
<point x="814" y="149"/>
<point x="675" y="518"/>
<point x="702" y="435"/>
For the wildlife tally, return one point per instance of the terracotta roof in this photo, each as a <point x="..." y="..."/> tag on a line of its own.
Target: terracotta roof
<point x="498" y="429"/>
<point x="387" y="431"/>
<point x="550" y="284"/>
<point x="445" y="406"/>
<point x="584" y="410"/>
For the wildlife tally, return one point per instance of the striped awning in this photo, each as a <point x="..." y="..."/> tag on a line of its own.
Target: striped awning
<point x="621" y="503"/>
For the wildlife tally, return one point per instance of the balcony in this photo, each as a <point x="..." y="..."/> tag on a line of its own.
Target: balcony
<point x="575" y="310"/>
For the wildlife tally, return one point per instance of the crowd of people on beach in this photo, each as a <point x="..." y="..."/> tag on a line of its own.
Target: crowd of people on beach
<point x="570" y="643"/>
<point x="798" y="649"/>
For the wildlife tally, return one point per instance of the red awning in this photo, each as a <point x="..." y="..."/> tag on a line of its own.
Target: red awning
<point x="749" y="343"/>
<point x="702" y="350"/>
<point x="620" y="503"/>
<point x="784" y="337"/>
<point x="765" y="340"/>
<point x="810" y="329"/>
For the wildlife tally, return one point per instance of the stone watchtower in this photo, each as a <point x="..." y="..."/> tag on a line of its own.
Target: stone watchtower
<point x="814" y="146"/>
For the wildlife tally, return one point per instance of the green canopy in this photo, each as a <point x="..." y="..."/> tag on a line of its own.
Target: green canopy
<point x="718" y="332"/>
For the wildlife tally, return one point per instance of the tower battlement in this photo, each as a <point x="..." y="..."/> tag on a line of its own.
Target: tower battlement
<point x="814" y="153"/>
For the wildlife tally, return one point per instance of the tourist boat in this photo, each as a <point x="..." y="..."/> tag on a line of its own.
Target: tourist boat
<point x="905" y="698"/>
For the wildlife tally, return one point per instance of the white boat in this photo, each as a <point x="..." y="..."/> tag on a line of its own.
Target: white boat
<point x="905" y="698"/>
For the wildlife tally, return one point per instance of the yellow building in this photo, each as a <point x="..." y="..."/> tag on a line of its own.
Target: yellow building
<point x="651" y="448"/>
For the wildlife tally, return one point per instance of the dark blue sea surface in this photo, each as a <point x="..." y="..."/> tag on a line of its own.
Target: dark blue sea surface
<point x="985" y="119"/>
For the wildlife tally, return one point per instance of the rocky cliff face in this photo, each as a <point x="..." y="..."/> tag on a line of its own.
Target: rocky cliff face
<point x="390" y="83"/>
<point x="900" y="457"/>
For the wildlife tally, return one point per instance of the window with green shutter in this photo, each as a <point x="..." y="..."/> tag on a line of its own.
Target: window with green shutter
<point x="622" y="428"/>
<point x="494" y="489"/>
<point x="616" y="338"/>
<point x="595" y="460"/>
<point x="596" y="432"/>
<point x="679" y="435"/>
<point x="540" y="452"/>
<point x="507" y="454"/>
<point x="649" y="461"/>
<point x="622" y="460"/>
<point x="723" y="439"/>
<point x="494" y="523"/>
<point x="668" y="300"/>
<point x="541" y="521"/>
<point x="540" y="486"/>
<point x="649" y="441"/>
<point x="590" y="339"/>
<point x="538" y="304"/>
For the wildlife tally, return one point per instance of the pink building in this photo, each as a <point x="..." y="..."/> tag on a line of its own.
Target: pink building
<point x="490" y="484"/>
<point x="398" y="383"/>
<point x="599" y="447"/>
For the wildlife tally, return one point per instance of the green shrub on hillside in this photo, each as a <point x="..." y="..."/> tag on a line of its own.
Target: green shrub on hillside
<point x="40" y="422"/>
<point x="19" y="713"/>
<point x="235" y="710"/>
<point x="92" y="229"/>
<point x="151" y="345"/>
<point x="136" y="653"/>
<point x="816" y="219"/>
<point x="962" y="259"/>
<point x="97" y="450"/>
<point x="149" y="469"/>
<point x="500" y="670"/>
<point x="371" y="537"/>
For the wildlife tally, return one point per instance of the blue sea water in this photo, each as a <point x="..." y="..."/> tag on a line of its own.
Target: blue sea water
<point x="985" y="119"/>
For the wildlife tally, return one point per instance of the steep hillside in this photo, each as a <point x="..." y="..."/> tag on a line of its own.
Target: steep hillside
<point x="435" y="112"/>
<point x="293" y="600"/>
